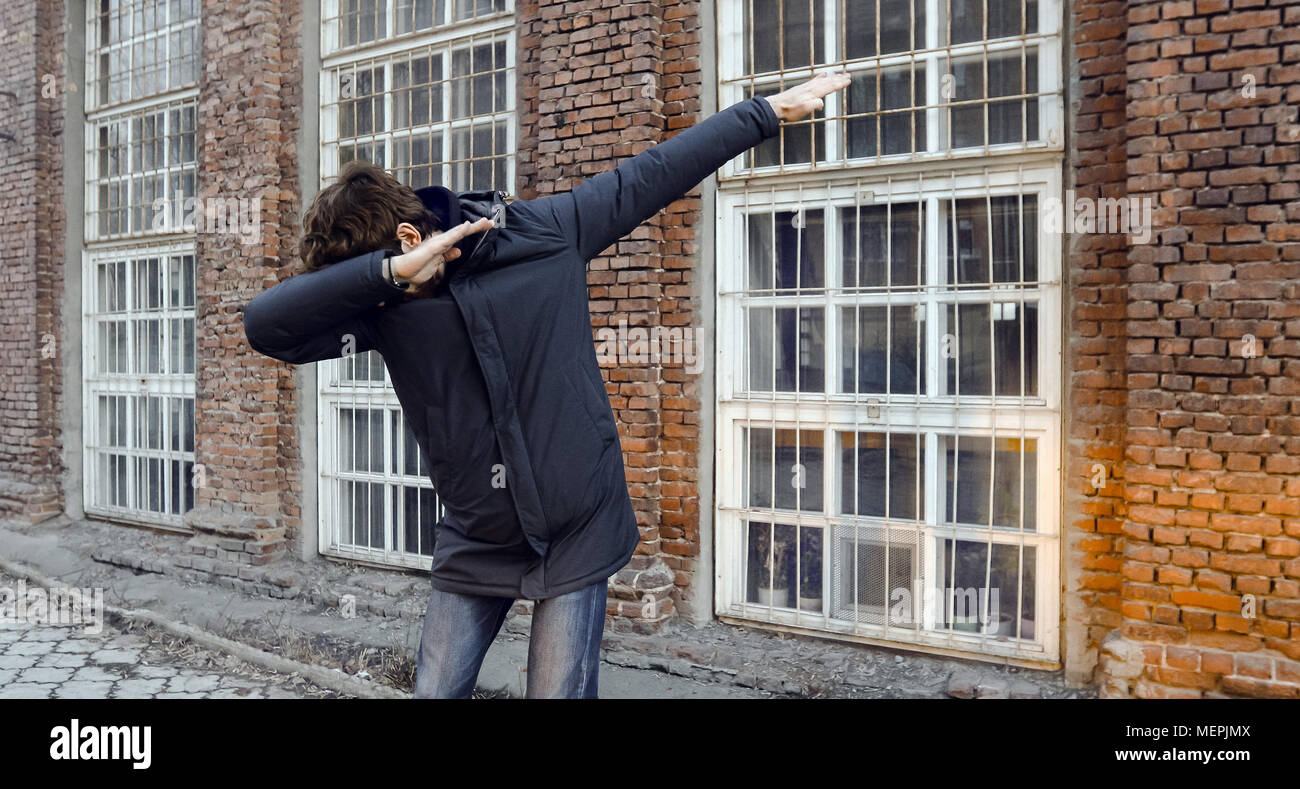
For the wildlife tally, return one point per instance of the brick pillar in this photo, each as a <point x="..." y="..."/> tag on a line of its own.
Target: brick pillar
<point x="599" y="82"/>
<point x="1096" y="296"/>
<point x="248" y="503"/>
<point x="31" y="253"/>
<point x="1211" y="592"/>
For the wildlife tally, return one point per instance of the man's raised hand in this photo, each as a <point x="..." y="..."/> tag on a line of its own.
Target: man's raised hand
<point x="803" y="100"/>
<point x="425" y="262"/>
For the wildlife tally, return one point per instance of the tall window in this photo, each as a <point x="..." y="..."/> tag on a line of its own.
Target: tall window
<point x="142" y="74"/>
<point x="426" y="90"/>
<point x="889" y="326"/>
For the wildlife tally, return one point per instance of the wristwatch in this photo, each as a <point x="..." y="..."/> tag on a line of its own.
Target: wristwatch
<point x="386" y="268"/>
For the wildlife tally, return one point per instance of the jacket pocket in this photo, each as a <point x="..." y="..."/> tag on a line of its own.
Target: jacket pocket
<point x="573" y="451"/>
<point x="459" y="448"/>
<point x="596" y="402"/>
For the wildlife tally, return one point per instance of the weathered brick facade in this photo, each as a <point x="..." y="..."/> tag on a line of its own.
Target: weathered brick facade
<point x="601" y="81"/>
<point x="1190" y="341"/>
<point x="31" y="248"/>
<point x="249" y="110"/>
<point x="1182" y="356"/>
<point x="1095" y="336"/>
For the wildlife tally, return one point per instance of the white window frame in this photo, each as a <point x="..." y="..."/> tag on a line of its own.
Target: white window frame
<point x="160" y="240"/>
<point x="336" y="388"/>
<point x="936" y="176"/>
<point x="133" y="384"/>
<point x="734" y="86"/>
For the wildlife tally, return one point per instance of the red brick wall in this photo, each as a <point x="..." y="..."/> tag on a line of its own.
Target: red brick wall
<point x="250" y="101"/>
<point x="1212" y="443"/>
<point x="1096" y="293"/>
<point x="598" y="82"/>
<point x="31" y="252"/>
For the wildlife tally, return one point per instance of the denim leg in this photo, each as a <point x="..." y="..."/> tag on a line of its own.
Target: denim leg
<point x="458" y="629"/>
<point x="564" y="645"/>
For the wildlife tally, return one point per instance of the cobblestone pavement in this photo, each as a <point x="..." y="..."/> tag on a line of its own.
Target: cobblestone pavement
<point x="40" y="660"/>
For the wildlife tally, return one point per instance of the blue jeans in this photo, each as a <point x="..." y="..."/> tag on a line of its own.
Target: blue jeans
<point x="563" y="646"/>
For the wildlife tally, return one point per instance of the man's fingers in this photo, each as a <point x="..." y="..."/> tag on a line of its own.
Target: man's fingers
<point x="465" y="228"/>
<point x="829" y="82"/>
<point x="443" y="243"/>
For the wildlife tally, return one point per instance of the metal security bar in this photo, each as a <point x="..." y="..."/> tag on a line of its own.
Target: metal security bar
<point x="139" y="376"/>
<point x="376" y="501"/>
<point x="436" y="107"/>
<point x="441" y="113"/>
<point x="895" y="319"/>
<point x="137" y="49"/>
<point x="140" y="168"/>
<point x="932" y="79"/>
<point x="352" y="24"/>
<point x="142" y="61"/>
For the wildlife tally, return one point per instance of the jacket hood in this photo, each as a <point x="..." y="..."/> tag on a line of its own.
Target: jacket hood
<point x="452" y="208"/>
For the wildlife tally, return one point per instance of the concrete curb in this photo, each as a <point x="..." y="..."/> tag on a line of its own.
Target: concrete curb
<point x="325" y="677"/>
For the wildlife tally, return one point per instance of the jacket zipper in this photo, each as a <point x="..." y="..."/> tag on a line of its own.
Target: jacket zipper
<point x="501" y="197"/>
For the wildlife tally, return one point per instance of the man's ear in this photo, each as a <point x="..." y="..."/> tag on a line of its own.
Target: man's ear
<point x="409" y="237"/>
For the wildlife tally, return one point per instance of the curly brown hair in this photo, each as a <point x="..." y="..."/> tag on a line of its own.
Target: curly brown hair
<point x="359" y="213"/>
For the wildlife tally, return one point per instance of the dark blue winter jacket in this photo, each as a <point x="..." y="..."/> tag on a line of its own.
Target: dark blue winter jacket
<point x="497" y="371"/>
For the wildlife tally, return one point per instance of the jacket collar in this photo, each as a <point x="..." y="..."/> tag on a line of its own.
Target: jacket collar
<point x="452" y="208"/>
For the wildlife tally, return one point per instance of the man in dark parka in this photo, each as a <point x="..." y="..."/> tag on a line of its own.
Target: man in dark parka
<point x="497" y="376"/>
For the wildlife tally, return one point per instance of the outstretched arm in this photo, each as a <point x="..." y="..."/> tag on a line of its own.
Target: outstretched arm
<point x="325" y="314"/>
<point x="606" y="207"/>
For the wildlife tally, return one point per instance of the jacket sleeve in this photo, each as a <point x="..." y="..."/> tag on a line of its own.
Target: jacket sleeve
<point x="608" y="206"/>
<point x="321" y="314"/>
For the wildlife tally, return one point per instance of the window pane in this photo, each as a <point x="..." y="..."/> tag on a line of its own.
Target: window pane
<point x="879" y="475"/>
<point x="786" y="250"/>
<point x="810" y="561"/>
<point x="417" y="91"/>
<point x="902" y="28"/>
<point x="771" y="561"/>
<point x="368" y="152"/>
<point x="876" y="233"/>
<point x="143" y="171"/>
<point x="361" y="108"/>
<point x="365" y="367"/>
<point x="418" y="159"/>
<point x="413" y="15"/>
<point x="883" y="349"/>
<point x="978" y="592"/>
<point x="984" y="481"/>
<point x="361" y="440"/>
<point x="786" y="349"/>
<point x="1009" y="120"/>
<point x="479" y="157"/>
<point x="796" y="481"/>
<point x="990" y="236"/>
<point x="471" y="9"/>
<point x="142" y="48"/>
<point x="478" y="85"/>
<point x="363" y="21"/>
<point x="784" y="571"/>
<point x="782" y="34"/>
<point x="971" y="361"/>
<point x="870" y="101"/>
<point x="1006" y="18"/>
<point x="361" y="506"/>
